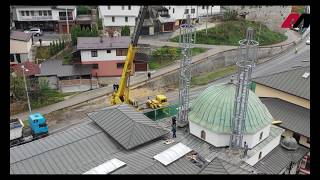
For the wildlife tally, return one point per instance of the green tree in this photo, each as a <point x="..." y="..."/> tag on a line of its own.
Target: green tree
<point x="230" y="15"/>
<point x="125" y="31"/>
<point x="99" y="21"/>
<point x="95" y="31"/>
<point x="60" y="45"/>
<point x="51" y="49"/>
<point x="83" y="10"/>
<point x="17" y="86"/>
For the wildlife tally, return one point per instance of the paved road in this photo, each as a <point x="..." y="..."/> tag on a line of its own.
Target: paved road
<point x="83" y="97"/>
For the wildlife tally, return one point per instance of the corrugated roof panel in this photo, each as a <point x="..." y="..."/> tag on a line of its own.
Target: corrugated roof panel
<point x="172" y="154"/>
<point x="106" y="167"/>
<point x="183" y="166"/>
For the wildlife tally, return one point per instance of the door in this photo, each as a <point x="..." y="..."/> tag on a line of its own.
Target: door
<point x="64" y="29"/>
<point x="168" y="27"/>
<point x="140" y="67"/>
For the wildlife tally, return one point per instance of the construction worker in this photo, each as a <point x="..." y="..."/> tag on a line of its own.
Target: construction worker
<point x="296" y="50"/>
<point x="174" y="131"/>
<point x="149" y="75"/>
<point x="117" y="86"/>
<point x="174" y="120"/>
<point x="245" y="150"/>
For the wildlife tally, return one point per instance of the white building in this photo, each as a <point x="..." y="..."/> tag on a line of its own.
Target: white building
<point x="49" y="18"/>
<point x="116" y="17"/>
<point x="179" y="12"/>
<point x="20" y="47"/>
<point x="211" y="116"/>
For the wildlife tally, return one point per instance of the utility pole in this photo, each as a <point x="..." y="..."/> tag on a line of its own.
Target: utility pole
<point x="25" y="85"/>
<point x="207" y="22"/>
<point x="67" y="21"/>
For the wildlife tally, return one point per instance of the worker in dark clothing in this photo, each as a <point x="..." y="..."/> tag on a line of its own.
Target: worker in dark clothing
<point x="116" y="86"/>
<point x="174" y="120"/>
<point x="40" y="40"/>
<point x="245" y="149"/>
<point x="149" y="75"/>
<point x="174" y="131"/>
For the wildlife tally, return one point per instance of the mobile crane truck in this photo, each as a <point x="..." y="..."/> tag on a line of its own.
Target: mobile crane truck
<point x="122" y="94"/>
<point x="20" y="134"/>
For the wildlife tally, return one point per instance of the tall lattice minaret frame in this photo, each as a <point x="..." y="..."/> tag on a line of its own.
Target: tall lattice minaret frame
<point x="187" y="39"/>
<point x="246" y="58"/>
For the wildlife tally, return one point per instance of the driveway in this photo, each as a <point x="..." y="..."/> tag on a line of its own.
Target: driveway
<point x="46" y="38"/>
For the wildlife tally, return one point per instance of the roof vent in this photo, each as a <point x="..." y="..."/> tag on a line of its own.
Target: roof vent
<point x="306" y="75"/>
<point x="101" y="39"/>
<point x="289" y="143"/>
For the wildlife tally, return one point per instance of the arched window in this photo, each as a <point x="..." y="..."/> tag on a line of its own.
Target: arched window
<point x="203" y="135"/>
<point x="260" y="154"/>
<point x="261" y="134"/>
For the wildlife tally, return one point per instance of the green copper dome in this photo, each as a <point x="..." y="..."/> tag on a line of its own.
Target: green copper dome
<point x="213" y="109"/>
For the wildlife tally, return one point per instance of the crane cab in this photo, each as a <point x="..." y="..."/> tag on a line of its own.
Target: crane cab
<point x="38" y="124"/>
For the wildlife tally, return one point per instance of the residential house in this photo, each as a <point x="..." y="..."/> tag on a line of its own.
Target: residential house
<point x="20" y="47"/>
<point x="179" y="13"/>
<point x="87" y="20"/>
<point x="114" y="18"/>
<point x="141" y="62"/>
<point x="161" y="18"/>
<point x="67" y="78"/>
<point x="47" y="18"/>
<point x="287" y="96"/>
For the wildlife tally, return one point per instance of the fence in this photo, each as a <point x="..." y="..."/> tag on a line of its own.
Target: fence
<point x="75" y="85"/>
<point x="164" y="112"/>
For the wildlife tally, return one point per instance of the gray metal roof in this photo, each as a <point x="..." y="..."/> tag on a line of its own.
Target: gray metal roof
<point x="293" y="117"/>
<point x="219" y="166"/>
<point x="94" y="43"/>
<point x="55" y="67"/>
<point x="290" y="81"/>
<point x="127" y="126"/>
<point x="279" y="158"/>
<point x="20" y="36"/>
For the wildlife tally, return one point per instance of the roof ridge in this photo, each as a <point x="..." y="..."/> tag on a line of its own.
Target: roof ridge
<point x="268" y="75"/>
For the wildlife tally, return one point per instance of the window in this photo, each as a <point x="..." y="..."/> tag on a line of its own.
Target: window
<point x="32" y="13"/>
<point x="126" y="19"/>
<point x="260" y="155"/>
<point x="95" y="66"/>
<point x="120" y="65"/>
<point x="11" y="57"/>
<point x="121" y="52"/>
<point x="203" y="135"/>
<point x="108" y="51"/>
<point x="296" y="136"/>
<point x="27" y="13"/>
<point x="169" y="7"/>
<point x="129" y="7"/>
<point x="122" y="7"/>
<point x="186" y="11"/>
<point x="49" y="13"/>
<point x="40" y="13"/>
<point x="112" y="18"/>
<point x="18" y="58"/>
<point x="193" y="10"/>
<point x="94" y="54"/>
<point x="261" y="134"/>
<point x="42" y="125"/>
<point x="22" y="13"/>
<point x="109" y="7"/>
<point x="308" y="140"/>
<point x="45" y="13"/>
<point x="173" y="10"/>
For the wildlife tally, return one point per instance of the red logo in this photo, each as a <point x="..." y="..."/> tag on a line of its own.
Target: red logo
<point x="290" y="20"/>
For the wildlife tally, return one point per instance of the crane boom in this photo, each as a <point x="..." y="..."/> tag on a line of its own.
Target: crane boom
<point x="122" y="94"/>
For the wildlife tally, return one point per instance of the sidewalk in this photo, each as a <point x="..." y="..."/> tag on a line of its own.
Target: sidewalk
<point x="86" y="96"/>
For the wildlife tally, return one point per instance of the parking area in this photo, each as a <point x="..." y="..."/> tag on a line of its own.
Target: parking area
<point x="48" y="36"/>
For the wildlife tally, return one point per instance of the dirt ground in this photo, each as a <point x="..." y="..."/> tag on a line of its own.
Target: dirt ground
<point x="63" y="119"/>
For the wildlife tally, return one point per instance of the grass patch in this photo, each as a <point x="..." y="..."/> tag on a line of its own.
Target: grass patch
<point x="230" y="32"/>
<point x="165" y="56"/>
<point x="205" y="78"/>
<point x="42" y="52"/>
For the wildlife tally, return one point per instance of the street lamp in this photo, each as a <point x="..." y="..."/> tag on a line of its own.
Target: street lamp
<point x="25" y="85"/>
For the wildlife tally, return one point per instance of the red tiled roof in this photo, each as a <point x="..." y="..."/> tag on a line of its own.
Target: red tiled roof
<point x="32" y="67"/>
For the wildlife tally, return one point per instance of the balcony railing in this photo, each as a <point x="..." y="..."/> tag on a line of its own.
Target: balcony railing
<point x="70" y="18"/>
<point x="36" y="18"/>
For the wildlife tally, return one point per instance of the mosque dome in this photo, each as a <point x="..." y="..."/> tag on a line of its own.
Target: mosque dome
<point x="213" y="110"/>
<point x="289" y="143"/>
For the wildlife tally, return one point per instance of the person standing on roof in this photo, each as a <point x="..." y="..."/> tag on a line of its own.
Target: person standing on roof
<point x="245" y="153"/>
<point x="149" y="75"/>
<point x="174" y="131"/>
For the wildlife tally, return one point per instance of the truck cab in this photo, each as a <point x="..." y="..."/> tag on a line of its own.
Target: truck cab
<point x="38" y="124"/>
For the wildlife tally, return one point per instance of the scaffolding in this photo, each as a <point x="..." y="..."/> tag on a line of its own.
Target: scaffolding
<point x="246" y="59"/>
<point x="186" y="39"/>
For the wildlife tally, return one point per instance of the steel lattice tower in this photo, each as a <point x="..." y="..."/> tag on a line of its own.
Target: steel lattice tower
<point x="186" y="39"/>
<point x="246" y="58"/>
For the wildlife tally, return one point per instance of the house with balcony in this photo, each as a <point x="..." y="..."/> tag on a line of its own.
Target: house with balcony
<point x="20" y="47"/>
<point x="47" y="18"/>
<point x="179" y="13"/>
<point x="114" y="18"/>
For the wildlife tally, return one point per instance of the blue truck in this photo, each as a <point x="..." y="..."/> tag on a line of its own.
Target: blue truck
<point x="20" y="134"/>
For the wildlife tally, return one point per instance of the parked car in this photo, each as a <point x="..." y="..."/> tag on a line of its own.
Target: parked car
<point x="308" y="42"/>
<point x="34" y="31"/>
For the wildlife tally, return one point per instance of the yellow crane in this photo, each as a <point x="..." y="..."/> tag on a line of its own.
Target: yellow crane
<point x="122" y="94"/>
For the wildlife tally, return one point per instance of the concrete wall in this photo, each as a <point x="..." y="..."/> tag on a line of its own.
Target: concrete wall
<point x="222" y="140"/>
<point x="20" y="47"/>
<point x="265" y="150"/>
<point x="102" y="56"/>
<point x="212" y="63"/>
<point x="264" y="91"/>
<point x="119" y="21"/>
